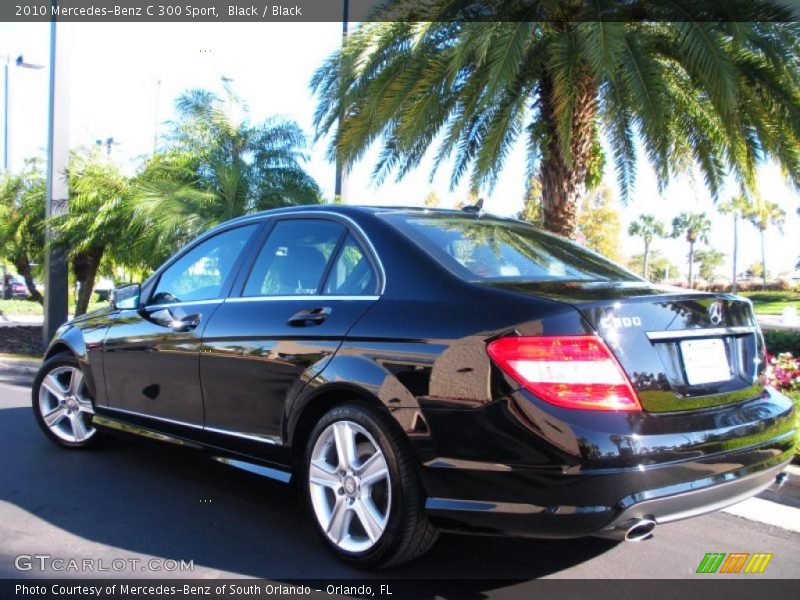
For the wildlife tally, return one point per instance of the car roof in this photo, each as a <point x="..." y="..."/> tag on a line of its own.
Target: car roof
<point x="350" y="210"/>
<point x="343" y="209"/>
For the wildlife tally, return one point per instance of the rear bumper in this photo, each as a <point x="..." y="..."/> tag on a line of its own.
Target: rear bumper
<point x="662" y="505"/>
<point x="580" y="495"/>
<point x="697" y="501"/>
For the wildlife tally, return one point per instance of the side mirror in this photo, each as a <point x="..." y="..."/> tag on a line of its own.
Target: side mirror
<point x="126" y="296"/>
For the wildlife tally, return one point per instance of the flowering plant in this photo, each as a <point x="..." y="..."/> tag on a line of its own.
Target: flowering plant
<point x="783" y="372"/>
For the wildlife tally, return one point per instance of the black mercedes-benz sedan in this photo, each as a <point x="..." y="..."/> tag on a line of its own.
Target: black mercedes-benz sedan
<point x="413" y="371"/>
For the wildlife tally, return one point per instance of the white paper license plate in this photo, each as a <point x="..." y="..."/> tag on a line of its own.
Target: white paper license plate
<point x="705" y="361"/>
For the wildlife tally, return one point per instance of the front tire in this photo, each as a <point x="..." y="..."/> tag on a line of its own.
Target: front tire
<point x="62" y="404"/>
<point x="363" y="490"/>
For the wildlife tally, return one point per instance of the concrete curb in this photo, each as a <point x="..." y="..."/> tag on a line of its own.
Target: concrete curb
<point x="768" y="512"/>
<point x="18" y="371"/>
<point x="29" y="320"/>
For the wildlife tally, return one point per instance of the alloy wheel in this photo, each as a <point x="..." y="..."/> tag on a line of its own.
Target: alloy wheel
<point x="348" y="478"/>
<point x="65" y="405"/>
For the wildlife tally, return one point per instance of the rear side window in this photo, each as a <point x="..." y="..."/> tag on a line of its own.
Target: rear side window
<point x="294" y="257"/>
<point x="485" y="248"/>
<point x="351" y="273"/>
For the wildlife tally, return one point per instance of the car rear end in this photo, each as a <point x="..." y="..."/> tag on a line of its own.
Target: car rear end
<point x="682" y="426"/>
<point x="18" y="289"/>
<point x="655" y="409"/>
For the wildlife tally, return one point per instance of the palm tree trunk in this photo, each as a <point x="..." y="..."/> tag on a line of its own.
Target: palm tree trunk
<point x="691" y="265"/>
<point x="85" y="266"/>
<point x="23" y="267"/>
<point x="735" y="247"/>
<point x="763" y="261"/>
<point x="564" y="181"/>
<point x="646" y="257"/>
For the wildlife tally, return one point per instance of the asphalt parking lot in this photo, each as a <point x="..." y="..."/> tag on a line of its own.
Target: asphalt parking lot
<point x="138" y="501"/>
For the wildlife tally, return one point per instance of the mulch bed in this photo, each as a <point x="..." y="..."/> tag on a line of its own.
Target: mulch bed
<point x="21" y="339"/>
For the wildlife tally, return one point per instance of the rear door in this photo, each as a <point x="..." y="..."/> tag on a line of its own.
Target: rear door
<point x="288" y="313"/>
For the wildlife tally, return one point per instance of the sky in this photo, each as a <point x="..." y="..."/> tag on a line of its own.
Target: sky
<point x="124" y="79"/>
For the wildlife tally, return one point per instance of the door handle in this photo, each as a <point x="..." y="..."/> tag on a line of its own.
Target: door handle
<point x="311" y="316"/>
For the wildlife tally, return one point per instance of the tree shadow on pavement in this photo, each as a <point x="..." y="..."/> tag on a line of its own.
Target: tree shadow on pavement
<point x="161" y="500"/>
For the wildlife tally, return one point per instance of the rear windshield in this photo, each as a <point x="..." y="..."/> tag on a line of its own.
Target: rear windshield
<point x="491" y="249"/>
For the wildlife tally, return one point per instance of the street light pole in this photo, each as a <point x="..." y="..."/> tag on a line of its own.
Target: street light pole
<point x="5" y="116"/>
<point x="6" y="160"/>
<point x="57" y="196"/>
<point x="340" y="184"/>
<point x="22" y="64"/>
<point x="155" y="121"/>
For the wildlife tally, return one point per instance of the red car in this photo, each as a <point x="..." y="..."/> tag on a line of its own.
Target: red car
<point x="19" y="289"/>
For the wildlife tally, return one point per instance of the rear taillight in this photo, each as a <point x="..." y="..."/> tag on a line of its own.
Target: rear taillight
<point x="570" y="371"/>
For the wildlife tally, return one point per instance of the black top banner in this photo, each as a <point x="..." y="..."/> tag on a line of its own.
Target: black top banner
<point x="560" y="11"/>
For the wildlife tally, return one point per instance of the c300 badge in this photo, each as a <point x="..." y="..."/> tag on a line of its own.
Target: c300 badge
<point x="612" y="322"/>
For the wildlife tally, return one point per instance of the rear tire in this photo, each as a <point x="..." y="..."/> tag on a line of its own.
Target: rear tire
<point x="62" y="404"/>
<point x="362" y="488"/>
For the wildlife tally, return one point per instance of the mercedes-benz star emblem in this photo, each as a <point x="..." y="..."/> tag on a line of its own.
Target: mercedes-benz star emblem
<point x="715" y="312"/>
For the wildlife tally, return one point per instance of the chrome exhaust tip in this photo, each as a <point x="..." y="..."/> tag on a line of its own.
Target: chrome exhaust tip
<point x="640" y="530"/>
<point x="635" y="530"/>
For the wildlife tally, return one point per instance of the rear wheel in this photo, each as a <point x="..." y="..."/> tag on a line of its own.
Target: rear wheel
<point x="62" y="404"/>
<point x="363" y="490"/>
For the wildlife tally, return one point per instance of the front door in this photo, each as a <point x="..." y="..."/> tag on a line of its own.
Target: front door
<point x="309" y="283"/>
<point x="152" y="352"/>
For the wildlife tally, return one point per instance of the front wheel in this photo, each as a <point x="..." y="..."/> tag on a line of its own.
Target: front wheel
<point x="363" y="490"/>
<point x="62" y="404"/>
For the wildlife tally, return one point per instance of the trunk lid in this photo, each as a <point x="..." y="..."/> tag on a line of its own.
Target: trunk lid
<point x="681" y="349"/>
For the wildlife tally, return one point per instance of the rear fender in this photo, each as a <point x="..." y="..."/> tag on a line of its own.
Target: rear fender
<point x="352" y="376"/>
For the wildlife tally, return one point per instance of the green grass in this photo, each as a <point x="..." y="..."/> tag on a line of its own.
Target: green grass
<point x="29" y="307"/>
<point x="20" y="307"/>
<point x="773" y="303"/>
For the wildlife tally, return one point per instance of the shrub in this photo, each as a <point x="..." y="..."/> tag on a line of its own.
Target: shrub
<point x="773" y="285"/>
<point x="780" y="341"/>
<point x="718" y="286"/>
<point x="783" y="373"/>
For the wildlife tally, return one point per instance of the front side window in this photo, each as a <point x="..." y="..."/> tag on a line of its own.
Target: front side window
<point x="201" y="273"/>
<point x="485" y="248"/>
<point x="294" y="257"/>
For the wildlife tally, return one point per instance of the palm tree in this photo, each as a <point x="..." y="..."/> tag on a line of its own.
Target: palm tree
<point x="532" y="203"/>
<point x="762" y="214"/>
<point x="710" y="261"/>
<point x="715" y="92"/>
<point x="598" y="222"/>
<point x="432" y="200"/>
<point x="22" y="222"/>
<point x="738" y="207"/>
<point x="696" y="227"/>
<point x="98" y="221"/>
<point x="648" y="227"/>
<point x="659" y="269"/>
<point x="217" y="165"/>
